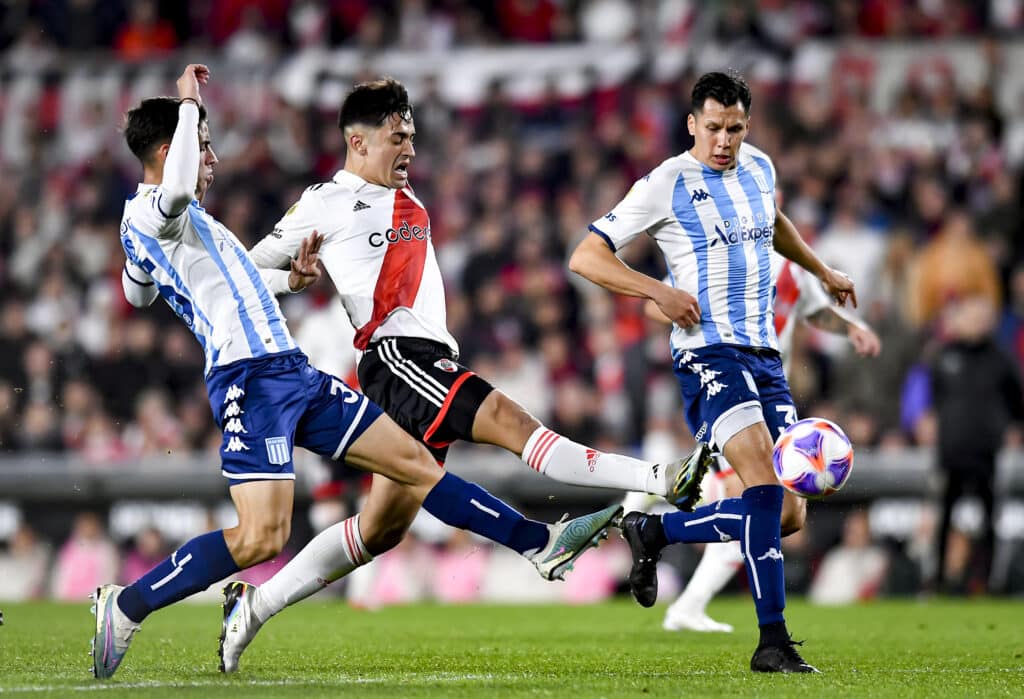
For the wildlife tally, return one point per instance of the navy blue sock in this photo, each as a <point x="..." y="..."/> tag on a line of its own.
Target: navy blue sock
<point x="719" y="521"/>
<point x="195" y="566"/>
<point x="468" y="506"/>
<point x="762" y="552"/>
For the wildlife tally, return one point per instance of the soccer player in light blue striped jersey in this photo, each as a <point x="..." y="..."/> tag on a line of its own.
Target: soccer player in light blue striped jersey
<point x="267" y="400"/>
<point x="711" y="211"/>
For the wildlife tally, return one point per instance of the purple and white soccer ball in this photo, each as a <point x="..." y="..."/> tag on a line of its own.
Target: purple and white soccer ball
<point x="813" y="458"/>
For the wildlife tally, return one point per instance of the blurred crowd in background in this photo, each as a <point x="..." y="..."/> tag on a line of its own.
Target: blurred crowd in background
<point x="916" y="194"/>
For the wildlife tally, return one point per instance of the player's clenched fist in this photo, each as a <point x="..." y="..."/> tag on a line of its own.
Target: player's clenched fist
<point x="682" y="308"/>
<point x="191" y="77"/>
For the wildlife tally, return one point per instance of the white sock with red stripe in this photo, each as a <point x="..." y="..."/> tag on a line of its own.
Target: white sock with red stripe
<point x="332" y="554"/>
<point x="564" y="460"/>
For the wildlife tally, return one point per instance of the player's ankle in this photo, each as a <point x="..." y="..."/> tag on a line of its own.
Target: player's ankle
<point x="774" y="633"/>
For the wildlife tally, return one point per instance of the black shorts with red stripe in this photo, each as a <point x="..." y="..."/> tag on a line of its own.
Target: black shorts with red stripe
<point x="420" y="386"/>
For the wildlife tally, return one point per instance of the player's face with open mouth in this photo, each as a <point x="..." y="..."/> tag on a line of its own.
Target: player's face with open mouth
<point x="207" y="159"/>
<point x="717" y="132"/>
<point x="391" y="151"/>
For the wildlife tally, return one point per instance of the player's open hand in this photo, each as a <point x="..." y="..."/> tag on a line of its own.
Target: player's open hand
<point x="839" y="286"/>
<point x="306" y="265"/>
<point x="682" y="308"/>
<point x="194" y="75"/>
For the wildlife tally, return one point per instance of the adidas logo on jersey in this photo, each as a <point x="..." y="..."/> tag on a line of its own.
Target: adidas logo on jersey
<point x="360" y="206"/>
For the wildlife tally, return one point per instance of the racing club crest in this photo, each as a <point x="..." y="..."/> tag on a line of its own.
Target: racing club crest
<point x="447" y="365"/>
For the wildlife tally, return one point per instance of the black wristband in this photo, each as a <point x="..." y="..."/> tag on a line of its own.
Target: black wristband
<point x="190" y="99"/>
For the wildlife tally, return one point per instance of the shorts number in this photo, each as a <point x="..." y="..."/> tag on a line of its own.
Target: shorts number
<point x="788" y="415"/>
<point x="347" y="394"/>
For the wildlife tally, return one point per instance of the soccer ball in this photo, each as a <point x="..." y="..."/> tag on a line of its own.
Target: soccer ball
<point x="813" y="458"/>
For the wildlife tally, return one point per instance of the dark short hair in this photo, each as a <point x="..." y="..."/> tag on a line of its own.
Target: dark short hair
<point x="152" y="124"/>
<point x="371" y="103"/>
<point x="725" y="88"/>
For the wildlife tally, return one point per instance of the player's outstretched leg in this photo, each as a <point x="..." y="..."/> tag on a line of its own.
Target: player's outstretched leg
<point x="114" y="632"/>
<point x="684" y="477"/>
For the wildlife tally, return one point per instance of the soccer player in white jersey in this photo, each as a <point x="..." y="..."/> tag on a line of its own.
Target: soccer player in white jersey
<point x="377" y="251"/>
<point x="798" y="297"/>
<point x="711" y="211"/>
<point x="267" y="399"/>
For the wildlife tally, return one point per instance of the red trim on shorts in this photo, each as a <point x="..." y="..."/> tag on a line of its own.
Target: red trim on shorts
<point x="725" y="473"/>
<point x="436" y="424"/>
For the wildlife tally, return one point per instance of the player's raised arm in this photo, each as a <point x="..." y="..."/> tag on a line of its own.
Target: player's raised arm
<point x="594" y="260"/>
<point x="792" y="246"/>
<point x="181" y="167"/>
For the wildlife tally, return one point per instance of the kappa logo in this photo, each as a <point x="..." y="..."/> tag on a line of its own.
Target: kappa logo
<point x="772" y="553"/>
<point x="235" y="426"/>
<point x="592" y="456"/>
<point x="234" y="393"/>
<point x="686" y="357"/>
<point x="723" y="537"/>
<point x="700" y="195"/>
<point x="236" y="444"/>
<point x="715" y="387"/>
<point x="360" y="206"/>
<point x="447" y="365"/>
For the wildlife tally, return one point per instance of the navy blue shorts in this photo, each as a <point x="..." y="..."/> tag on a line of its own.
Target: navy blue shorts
<point x="270" y="405"/>
<point x="729" y="387"/>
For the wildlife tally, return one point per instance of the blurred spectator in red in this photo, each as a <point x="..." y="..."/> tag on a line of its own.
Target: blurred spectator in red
<point x="146" y="34"/>
<point x="533" y="21"/>
<point x="85" y="561"/>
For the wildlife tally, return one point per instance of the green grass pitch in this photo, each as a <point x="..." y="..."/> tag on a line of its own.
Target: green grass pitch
<point x="903" y="649"/>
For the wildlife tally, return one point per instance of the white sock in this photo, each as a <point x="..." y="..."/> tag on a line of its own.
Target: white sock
<point x="564" y="460"/>
<point x="332" y="554"/>
<point x="716" y="568"/>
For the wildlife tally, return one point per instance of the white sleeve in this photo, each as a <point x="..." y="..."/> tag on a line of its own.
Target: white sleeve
<point x="139" y="288"/>
<point x="181" y="168"/>
<point x="643" y="207"/>
<point x="280" y="246"/>
<point x="276" y="280"/>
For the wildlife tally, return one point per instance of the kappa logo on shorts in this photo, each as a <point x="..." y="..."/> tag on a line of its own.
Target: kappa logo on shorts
<point x="447" y="365"/>
<point x="772" y="553"/>
<point x="277" y="450"/>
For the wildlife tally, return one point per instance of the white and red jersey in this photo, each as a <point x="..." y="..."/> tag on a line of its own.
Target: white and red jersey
<point x="377" y="251"/>
<point x="798" y="295"/>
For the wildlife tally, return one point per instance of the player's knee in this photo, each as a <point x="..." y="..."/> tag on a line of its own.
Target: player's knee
<point x="500" y="420"/>
<point x="260" y="541"/>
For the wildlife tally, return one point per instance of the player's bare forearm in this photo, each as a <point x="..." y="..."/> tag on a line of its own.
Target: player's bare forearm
<point x="593" y="260"/>
<point x="828" y="320"/>
<point x="790" y="244"/>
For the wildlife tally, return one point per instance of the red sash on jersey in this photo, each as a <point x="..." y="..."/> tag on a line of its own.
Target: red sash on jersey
<point x="787" y="291"/>
<point x="402" y="268"/>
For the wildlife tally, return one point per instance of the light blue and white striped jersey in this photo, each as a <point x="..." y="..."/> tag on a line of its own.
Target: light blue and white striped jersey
<point x="715" y="230"/>
<point x="206" y="276"/>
